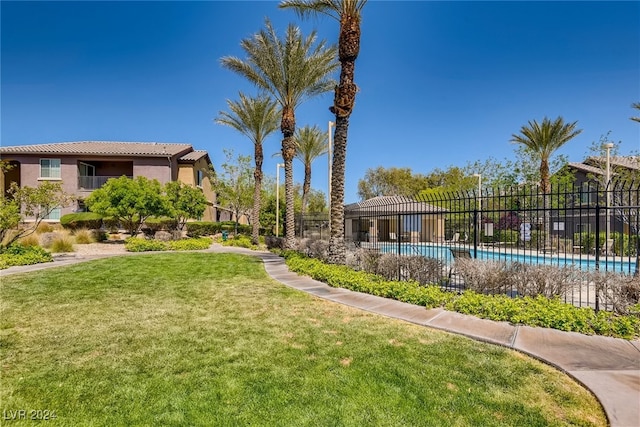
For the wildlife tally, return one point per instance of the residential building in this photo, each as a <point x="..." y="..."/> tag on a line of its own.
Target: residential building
<point x="84" y="166"/>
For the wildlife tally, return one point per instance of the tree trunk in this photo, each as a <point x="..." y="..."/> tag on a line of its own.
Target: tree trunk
<point x="337" y="249"/>
<point x="255" y="214"/>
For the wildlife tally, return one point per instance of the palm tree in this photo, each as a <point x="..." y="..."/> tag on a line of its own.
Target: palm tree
<point x="544" y="139"/>
<point x="291" y="70"/>
<point x="311" y="142"/>
<point x="348" y="13"/>
<point x="256" y="118"/>
<point x="636" y="105"/>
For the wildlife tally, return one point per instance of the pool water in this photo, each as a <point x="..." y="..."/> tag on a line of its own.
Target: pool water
<point x="623" y="265"/>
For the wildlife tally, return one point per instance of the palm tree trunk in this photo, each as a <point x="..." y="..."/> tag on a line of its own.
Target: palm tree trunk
<point x="306" y="186"/>
<point x="288" y="151"/>
<point x="337" y="249"/>
<point x="255" y="215"/>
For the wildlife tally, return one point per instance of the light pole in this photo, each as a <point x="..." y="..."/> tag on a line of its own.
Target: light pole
<point x="608" y="147"/>
<point x="479" y="176"/>
<point x="330" y="158"/>
<point x="278" y="166"/>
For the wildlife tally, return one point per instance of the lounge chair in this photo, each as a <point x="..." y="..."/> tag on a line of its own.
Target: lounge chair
<point x="607" y="248"/>
<point x="458" y="254"/>
<point x="454" y="239"/>
<point x="393" y="237"/>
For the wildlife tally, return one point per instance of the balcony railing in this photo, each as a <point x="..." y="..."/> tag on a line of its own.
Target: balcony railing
<point x="94" y="182"/>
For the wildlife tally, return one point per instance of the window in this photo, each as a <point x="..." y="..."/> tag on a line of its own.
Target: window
<point x="53" y="215"/>
<point x="199" y="178"/>
<point x="49" y="168"/>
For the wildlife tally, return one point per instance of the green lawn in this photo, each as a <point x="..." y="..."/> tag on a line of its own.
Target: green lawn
<point x="208" y="339"/>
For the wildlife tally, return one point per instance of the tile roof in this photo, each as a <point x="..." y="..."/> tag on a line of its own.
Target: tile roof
<point x="111" y="148"/>
<point x="587" y="168"/>
<point x="384" y="205"/>
<point x="194" y="156"/>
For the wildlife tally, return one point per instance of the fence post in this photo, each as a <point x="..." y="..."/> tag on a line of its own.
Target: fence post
<point x="476" y="232"/>
<point x="597" y="249"/>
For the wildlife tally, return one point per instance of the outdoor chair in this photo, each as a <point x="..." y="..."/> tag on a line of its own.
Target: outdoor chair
<point x="454" y="238"/>
<point x="457" y="254"/>
<point x="393" y="237"/>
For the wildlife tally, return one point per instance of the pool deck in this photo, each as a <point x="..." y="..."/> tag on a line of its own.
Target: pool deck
<point x="608" y="367"/>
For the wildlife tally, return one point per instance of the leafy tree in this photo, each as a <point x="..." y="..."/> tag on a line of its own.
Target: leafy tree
<point x="34" y="202"/>
<point x="348" y="13"/>
<point x="391" y="182"/>
<point x="130" y="201"/>
<point x="291" y="70"/>
<point x="256" y="118"/>
<point x="311" y="143"/>
<point x="235" y="185"/>
<point x="185" y="202"/>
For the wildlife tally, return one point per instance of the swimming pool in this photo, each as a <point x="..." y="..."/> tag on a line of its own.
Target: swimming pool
<point x="584" y="262"/>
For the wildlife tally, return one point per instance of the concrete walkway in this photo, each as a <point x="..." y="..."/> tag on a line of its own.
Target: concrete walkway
<point x="609" y="367"/>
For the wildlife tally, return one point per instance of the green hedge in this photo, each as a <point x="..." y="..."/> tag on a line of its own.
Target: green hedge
<point x="539" y="311"/>
<point x="136" y="244"/>
<point x="203" y="228"/>
<point x="75" y="221"/>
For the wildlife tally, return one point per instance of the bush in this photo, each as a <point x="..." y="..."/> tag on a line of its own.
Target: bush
<point x="240" y="241"/>
<point x="532" y="311"/>
<point x="154" y="224"/>
<point x="62" y="243"/>
<point x="17" y="254"/>
<point x="135" y="244"/>
<point x="84" y="236"/>
<point x="45" y="227"/>
<point x="30" y="240"/>
<point x="75" y="221"/>
<point x="190" y="244"/>
<point x="202" y="228"/>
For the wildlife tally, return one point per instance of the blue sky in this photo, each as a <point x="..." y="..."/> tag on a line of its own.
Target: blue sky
<point x="441" y="83"/>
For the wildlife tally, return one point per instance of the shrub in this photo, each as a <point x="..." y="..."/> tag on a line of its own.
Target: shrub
<point x="154" y="224"/>
<point x="45" y="227"/>
<point x="30" y="240"/>
<point x="78" y="220"/>
<point x="201" y="228"/>
<point x="190" y="244"/>
<point x="62" y="243"/>
<point x="17" y="254"/>
<point x="533" y="311"/>
<point x="135" y="244"/>
<point x="273" y="242"/>
<point x="84" y="236"/>
<point x="484" y="276"/>
<point x="620" y="293"/>
<point x="546" y="280"/>
<point x="240" y="241"/>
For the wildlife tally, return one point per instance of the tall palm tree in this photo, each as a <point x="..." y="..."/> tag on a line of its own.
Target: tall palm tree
<point x="256" y="118"/>
<point x="636" y="105"/>
<point x="348" y="14"/>
<point x="544" y="139"/>
<point x="291" y="70"/>
<point x="311" y="143"/>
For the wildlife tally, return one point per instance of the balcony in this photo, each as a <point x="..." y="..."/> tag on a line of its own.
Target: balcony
<point x="94" y="182"/>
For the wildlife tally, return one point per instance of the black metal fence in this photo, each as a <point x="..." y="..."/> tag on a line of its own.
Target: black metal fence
<point x="588" y="227"/>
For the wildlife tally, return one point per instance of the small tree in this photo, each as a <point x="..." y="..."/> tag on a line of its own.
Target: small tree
<point x="36" y="202"/>
<point x="185" y="202"/>
<point x="235" y="186"/>
<point x="130" y="201"/>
